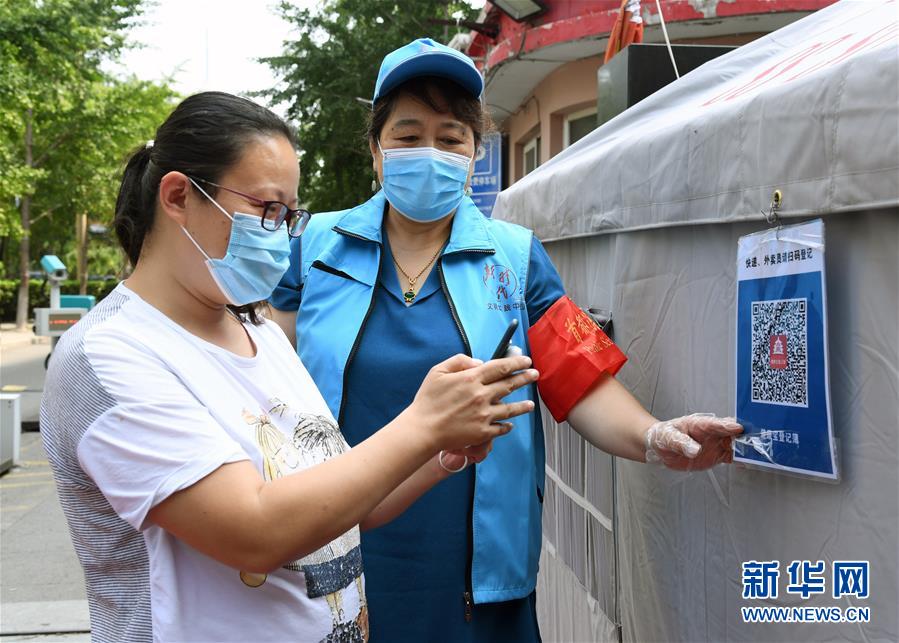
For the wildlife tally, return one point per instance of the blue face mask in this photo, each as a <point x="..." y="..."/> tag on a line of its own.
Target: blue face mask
<point x="254" y="261"/>
<point x="424" y="183"/>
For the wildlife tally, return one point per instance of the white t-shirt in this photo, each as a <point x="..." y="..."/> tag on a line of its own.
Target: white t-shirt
<point x="136" y="408"/>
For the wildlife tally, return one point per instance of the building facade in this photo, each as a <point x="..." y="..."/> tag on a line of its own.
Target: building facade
<point x="541" y="73"/>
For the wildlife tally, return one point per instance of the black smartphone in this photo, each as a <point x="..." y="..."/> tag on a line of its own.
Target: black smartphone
<point x="503" y="345"/>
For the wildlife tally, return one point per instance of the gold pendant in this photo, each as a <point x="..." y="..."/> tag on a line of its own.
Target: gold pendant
<point x="409" y="296"/>
<point x="253" y="579"/>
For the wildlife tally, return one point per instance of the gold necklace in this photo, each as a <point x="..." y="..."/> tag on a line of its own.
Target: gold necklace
<point x="409" y="295"/>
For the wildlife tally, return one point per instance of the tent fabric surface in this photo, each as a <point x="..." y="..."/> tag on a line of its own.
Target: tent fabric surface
<point x="679" y="540"/>
<point x="811" y="109"/>
<point x="642" y="219"/>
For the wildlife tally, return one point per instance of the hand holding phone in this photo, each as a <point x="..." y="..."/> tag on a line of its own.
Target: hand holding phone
<point x="506" y="339"/>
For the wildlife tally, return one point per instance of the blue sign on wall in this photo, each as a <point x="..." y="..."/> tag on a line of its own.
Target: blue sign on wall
<point x="486" y="181"/>
<point x="783" y="398"/>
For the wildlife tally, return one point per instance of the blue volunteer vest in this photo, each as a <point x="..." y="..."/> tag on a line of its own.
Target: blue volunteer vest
<point x="483" y="274"/>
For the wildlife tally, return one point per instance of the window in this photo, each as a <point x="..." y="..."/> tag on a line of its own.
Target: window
<point x="531" y="153"/>
<point x="578" y="125"/>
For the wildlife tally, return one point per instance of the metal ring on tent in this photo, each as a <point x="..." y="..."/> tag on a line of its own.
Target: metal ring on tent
<point x="771" y="215"/>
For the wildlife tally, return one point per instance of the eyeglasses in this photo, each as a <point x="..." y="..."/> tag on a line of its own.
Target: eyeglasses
<point x="274" y="213"/>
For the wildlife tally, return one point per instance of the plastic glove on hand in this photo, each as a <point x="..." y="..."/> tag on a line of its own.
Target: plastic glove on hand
<point x="692" y="442"/>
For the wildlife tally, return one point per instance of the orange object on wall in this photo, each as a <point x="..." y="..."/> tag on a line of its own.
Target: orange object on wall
<point x="628" y="29"/>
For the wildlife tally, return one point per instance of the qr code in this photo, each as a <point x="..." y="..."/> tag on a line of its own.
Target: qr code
<point x="779" y="352"/>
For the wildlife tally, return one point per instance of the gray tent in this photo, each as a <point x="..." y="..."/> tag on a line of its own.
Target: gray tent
<point x="642" y="219"/>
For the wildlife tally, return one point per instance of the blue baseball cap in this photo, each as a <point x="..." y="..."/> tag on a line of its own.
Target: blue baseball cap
<point x="424" y="57"/>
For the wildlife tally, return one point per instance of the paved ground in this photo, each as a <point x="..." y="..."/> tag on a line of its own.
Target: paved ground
<point x="83" y="637"/>
<point x="22" y="371"/>
<point x="42" y="594"/>
<point x="12" y="338"/>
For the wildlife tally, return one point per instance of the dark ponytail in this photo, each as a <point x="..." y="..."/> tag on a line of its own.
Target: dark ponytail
<point x="135" y="205"/>
<point x="203" y="137"/>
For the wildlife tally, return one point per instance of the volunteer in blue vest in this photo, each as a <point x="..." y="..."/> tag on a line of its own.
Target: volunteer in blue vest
<point x="377" y="294"/>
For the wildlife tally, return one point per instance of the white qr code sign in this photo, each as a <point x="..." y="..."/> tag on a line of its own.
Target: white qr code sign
<point x="783" y="393"/>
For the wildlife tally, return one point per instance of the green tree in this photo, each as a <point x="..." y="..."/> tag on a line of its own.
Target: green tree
<point x="63" y="121"/>
<point x="330" y="66"/>
<point x="82" y="175"/>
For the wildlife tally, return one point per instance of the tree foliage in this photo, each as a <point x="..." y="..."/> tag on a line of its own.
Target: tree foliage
<point x="331" y="64"/>
<point x="50" y="54"/>
<point x="81" y="122"/>
<point x="82" y="173"/>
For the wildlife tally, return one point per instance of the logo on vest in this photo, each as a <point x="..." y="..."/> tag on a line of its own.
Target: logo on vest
<point x="500" y="281"/>
<point x="502" y="285"/>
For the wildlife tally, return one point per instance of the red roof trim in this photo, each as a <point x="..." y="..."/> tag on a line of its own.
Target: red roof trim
<point x="568" y="21"/>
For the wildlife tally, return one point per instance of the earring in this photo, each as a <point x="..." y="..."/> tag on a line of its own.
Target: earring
<point x="468" y="190"/>
<point x="374" y="185"/>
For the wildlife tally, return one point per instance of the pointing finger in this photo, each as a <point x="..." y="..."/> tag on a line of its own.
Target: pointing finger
<point x="458" y="362"/>
<point x="497" y="369"/>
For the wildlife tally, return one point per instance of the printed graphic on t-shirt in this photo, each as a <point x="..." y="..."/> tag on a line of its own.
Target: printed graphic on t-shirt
<point x="291" y="442"/>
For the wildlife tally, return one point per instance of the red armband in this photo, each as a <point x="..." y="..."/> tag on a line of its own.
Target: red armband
<point x="571" y="352"/>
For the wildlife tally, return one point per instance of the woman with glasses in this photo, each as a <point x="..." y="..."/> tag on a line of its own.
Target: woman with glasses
<point x="376" y="293"/>
<point x="209" y="491"/>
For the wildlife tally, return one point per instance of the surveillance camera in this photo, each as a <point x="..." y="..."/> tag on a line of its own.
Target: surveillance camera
<point x="54" y="268"/>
